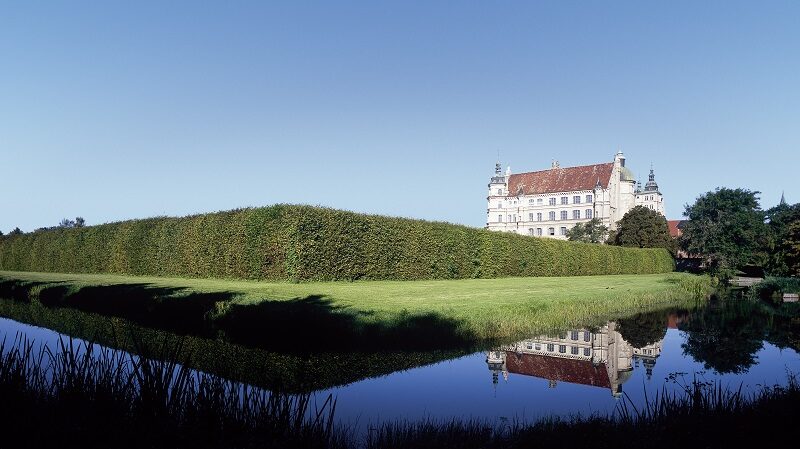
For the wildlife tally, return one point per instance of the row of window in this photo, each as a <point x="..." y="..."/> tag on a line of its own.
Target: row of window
<point x="561" y="348"/>
<point x="576" y="215"/>
<point x="550" y="231"/>
<point x="564" y="200"/>
<point x="552" y="201"/>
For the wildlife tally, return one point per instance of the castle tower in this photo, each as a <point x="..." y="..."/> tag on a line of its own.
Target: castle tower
<point x="650" y="197"/>
<point x="496" y="201"/>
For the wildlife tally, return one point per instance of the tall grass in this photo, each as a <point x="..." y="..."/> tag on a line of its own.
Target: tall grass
<point x="79" y="392"/>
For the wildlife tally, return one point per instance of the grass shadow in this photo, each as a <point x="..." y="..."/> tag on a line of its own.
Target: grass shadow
<point x="317" y="324"/>
<point x="312" y="324"/>
<point x="167" y="308"/>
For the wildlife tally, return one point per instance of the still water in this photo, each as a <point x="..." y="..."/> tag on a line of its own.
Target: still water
<point x="576" y="371"/>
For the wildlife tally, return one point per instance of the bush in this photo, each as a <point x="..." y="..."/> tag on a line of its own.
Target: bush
<point x="301" y="243"/>
<point x="769" y="287"/>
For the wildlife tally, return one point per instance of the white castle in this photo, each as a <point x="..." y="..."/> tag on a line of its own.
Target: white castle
<point x="548" y="203"/>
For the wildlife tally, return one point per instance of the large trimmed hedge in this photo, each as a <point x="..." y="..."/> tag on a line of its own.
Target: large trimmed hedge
<point x="310" y="243"/>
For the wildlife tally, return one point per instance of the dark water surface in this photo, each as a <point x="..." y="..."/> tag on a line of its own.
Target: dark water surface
<point x="579" y="371"/>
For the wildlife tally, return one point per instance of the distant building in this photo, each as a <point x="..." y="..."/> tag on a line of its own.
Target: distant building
<point x="548" y="203"/>
<point x="676" y="228"/>
<point x="600" y="359"/>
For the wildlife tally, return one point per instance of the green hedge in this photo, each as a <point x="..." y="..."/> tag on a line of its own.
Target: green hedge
<point x="311" y="243"/>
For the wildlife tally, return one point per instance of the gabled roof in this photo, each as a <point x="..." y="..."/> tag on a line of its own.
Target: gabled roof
<point x="675" y="227"/>
<point x="568" y="179"/>
<point x="582" y="372"/>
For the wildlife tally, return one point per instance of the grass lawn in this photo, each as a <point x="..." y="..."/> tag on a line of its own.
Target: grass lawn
<point x="472" y="310"/>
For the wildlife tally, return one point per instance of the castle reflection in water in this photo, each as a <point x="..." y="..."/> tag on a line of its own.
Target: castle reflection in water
<point x="600" y="358"/>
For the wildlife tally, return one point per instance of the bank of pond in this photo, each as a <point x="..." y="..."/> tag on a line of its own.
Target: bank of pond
<point x="713" y="372"/>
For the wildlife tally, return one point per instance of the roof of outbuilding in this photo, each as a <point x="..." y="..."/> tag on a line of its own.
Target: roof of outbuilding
<point x="675" y="227"/>
<point x="567" y="179"/>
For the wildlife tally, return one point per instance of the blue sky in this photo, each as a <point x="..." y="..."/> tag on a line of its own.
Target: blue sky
<point x="116" y="110"/>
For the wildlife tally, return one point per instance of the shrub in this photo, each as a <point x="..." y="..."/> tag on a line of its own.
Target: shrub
<point x="301" y="243"/>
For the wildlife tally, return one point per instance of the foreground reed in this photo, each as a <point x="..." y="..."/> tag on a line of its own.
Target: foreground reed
<point x="83" y="395"/>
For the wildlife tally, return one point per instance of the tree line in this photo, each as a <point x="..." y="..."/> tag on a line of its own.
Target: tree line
<point x="726" y="228"/>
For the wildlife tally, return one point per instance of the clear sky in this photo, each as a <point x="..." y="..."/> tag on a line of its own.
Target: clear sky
<point x="116" y="110"/>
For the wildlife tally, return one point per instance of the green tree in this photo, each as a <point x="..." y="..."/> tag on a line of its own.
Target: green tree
<point x="779" y="218"/>
<point x="16" y="231"/>
<point x="726" y="227"/>
<point x="643" y="227"/>
<point x="791" y="248"/>
<point x="593" y="231"/>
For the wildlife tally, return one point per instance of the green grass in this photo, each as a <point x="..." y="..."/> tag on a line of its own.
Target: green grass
<point x="468" y="310"/>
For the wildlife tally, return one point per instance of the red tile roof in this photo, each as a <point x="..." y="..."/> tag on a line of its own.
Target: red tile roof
<point x="582" y="372"/>
<point x="675" y="227"/>
<point x="568" y="179"/>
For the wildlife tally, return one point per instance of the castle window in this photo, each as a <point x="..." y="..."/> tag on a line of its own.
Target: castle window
<point x="552" y="215"/>
<point x="589" y="214"/>
<point x="539" y="232"/>
<point x="530" y="201"/>
<point x="574" y="350"/>
<point x="499" y="191"/>
<point x="530" y="231"/>
<point x="562" y="349"/>
<point x="563" y="231"/>
<point x="586" y="336"/>
<point x="530" y="216"/>
<point x="552" y="201"/>
<point x="500" y="205"/>
<point x="551" y="347"/>
<point x="551" y="231"/>
<point x="538" y="216"/>
<point x="576" y="215"/>
<point x="564" y="200"/>
<point x="500" y="218"/>
<point x="529" y="345"/>
<point x="539" y="202"/>
<point x="574" y="335"/>
<point x="587" y="352"/>
<point x="576" y="199"/>
<point x="588" y="198"/>
<point x="538" y="346"/>
<point x="563" y="215"/>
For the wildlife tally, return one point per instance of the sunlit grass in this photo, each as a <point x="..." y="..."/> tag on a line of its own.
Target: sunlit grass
<point x="484" y="309"/>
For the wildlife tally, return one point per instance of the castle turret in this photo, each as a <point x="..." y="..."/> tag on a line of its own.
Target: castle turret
<point x="498" y="189"/>
<point x="650" y="197"/>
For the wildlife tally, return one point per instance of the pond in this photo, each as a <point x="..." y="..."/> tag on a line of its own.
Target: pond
<point x="593" y="369"/>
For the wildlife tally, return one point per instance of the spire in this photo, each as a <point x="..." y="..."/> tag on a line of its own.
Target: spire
<point x="783" y="200"/>
<point x="651" y="185"/>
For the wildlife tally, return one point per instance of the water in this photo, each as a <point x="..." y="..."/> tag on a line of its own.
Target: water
<point x="579" y="371"/>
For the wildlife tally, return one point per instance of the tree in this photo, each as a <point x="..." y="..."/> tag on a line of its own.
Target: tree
<point x="791" y="246"/>
<point x="779" y="219"/>
<point x="643" y="227"/>
<point x="726" y="227"/>
<point x="79" y="222"/>
<point x="16" y="231"/>
<point x="593" y="231"/>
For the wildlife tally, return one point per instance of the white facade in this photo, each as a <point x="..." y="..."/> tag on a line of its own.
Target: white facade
<point x="553" y="209"/>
